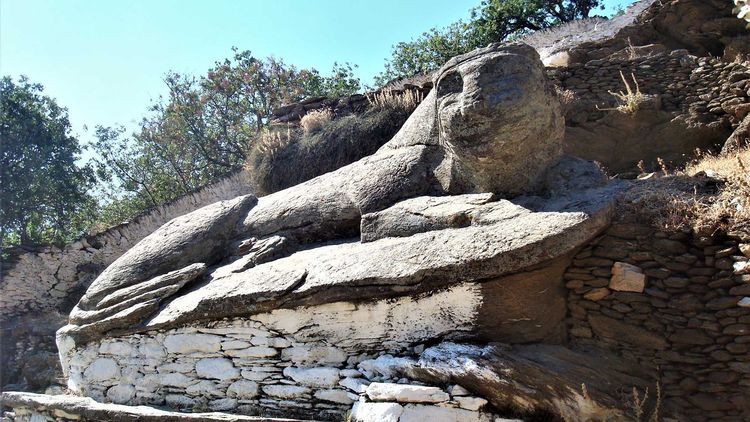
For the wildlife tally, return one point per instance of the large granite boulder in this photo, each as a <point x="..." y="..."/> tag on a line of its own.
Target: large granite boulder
<point x="489" y="107"/>
<point x="494" y="107"/>
<point x="468" y="217"/>
<point x="199" y="236"/>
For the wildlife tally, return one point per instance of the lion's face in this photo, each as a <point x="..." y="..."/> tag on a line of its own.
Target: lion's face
<point x="492" y="108"/>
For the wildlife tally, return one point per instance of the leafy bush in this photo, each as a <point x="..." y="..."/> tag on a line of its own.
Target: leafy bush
<point x="43" y="192"/>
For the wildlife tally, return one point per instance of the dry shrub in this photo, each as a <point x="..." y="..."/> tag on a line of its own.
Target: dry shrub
<point x="272" y="140"/>
<point x="629" y="100"/>
<point x="407" y="100"/>
<point x="732" y="204"/>
<point x="711" y="194"/>
<point x="315" y="120"/>
<point x="567" y="98"/>
<point x="638" y="406"/>
<point x="287" y="157"/>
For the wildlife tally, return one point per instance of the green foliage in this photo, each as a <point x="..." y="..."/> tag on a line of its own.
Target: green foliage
<point x="492" y="21"/>
<point x="341" y="81"/>
<point x="498" y="20"/>
<point x="429" y="51"/>
<point x="203" y="129"/>
<point x="43" y="191"/>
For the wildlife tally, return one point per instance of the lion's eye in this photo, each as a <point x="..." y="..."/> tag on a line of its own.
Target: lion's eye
<point x="450" y="83"/>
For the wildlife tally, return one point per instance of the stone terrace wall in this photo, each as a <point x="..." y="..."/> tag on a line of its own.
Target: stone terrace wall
<point x="683" y="307"/>
<point x="46" y="279"/>
<point x="309" y="362"/>
<point x="706" y="88"/>
<point x="352" y="104"/>
<point x="690" y="103"/>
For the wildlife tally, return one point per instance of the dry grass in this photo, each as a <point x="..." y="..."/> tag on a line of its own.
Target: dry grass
<point x="315" y="120"/>
<point x="285" y="156"/>
<point x="630" y="101"/>
<point x="407" y="100"/>
<point x="712" y="194"/>
<point x="732" y="204"/>
<point x="638" y="406"/>
<point x="272" y="140"/>
<point x="567" y="98"/>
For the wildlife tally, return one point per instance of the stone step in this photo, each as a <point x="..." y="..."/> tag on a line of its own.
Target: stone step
<point x="84" y="408"/>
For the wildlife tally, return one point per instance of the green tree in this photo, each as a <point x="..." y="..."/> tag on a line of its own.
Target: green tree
<point x="341" y="81"/>
<point x="492" y="21"/>
<point x="203" y="128"/>
<point x="496" y="20"/>
<point x="43" y="192"/>
<point x="429" y="51"/>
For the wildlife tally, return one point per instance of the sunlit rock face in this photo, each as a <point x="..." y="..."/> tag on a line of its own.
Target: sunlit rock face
<point x="498" y="120"/>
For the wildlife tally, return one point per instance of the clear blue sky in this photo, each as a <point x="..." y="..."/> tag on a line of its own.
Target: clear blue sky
<point x="104" y="59"/>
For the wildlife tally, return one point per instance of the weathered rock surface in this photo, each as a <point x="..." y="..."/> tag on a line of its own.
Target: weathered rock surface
<point x="377" y="412"/>
<point x="493" y="105"/>
<point x="200" y="236"/>
<point x="506" y="106"/>
<point x="531" y="378"/>
<point x="428" y="213"/>
<point x="520" y="239"/>
<point x="627" y="278"/>
<point x="314" y="377"/>
<point x="701" y="26"/>
<point x="442" y="149"/>
<point x="158" y="288"/>
<point x="404" y="393"/>
<point x="617" y="138"/>
<point x="739" y="138"/>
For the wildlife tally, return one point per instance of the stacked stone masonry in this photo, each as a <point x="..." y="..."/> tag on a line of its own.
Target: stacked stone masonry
<point x="679" y="302"/>
<point x="241" y="366"/>
<point x="706" y="88"/>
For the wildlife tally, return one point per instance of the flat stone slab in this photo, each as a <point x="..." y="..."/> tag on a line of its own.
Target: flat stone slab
<point x="89" y="409"/>
<point x="405" y="393"/>
<point x="516" y="238"/>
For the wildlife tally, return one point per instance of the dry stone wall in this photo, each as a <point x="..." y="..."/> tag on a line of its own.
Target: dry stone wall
<point x="679" y="302"/>
<point x="689" y="102"/>
<point x="419" y="86"/>
<point x="706" y="88"/>
<point x="304" y="362"/>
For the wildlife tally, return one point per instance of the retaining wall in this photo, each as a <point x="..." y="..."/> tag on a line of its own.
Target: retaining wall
<point x="690" y="322"/>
